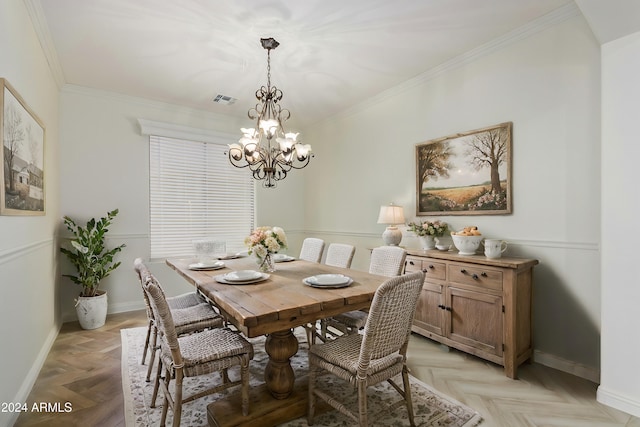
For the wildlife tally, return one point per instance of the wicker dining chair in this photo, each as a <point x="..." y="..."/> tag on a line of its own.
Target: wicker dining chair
<point x="385" y="261"/>
<point x="379" y="354"/>
<point x="340" y="255"/>
<point x="213" y="350"/>
<point x="191" y="313"/>
<point x="312" y="249"/>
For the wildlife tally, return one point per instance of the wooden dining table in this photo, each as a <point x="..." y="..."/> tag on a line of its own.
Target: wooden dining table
<point x="274" y="307"/>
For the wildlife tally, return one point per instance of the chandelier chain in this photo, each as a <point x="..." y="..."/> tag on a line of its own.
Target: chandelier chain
<point x="269" y="68"/>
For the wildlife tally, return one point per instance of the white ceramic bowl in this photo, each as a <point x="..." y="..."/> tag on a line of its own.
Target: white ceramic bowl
<point x="467" y="245"/>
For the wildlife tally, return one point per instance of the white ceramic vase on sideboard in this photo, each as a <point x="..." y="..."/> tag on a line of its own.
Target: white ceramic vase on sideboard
<point x="427" y="242"/>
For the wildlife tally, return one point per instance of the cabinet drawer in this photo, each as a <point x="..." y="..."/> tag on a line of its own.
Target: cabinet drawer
<point x="413" y="264"/>
<point x="477" y="276"/>
<point x="432" y="269"/>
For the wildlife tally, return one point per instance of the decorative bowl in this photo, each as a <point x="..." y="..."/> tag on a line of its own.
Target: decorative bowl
<point x="467" y="245"/>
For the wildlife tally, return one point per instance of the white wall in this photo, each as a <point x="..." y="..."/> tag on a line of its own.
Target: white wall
<point x="620" y="385"/>
<point x="28" y="321"/>
<point x="546" y="83"/>
<point x="104" y="163"/>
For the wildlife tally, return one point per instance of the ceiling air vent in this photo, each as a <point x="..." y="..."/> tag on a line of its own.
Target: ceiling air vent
<point x="224" y="100"/>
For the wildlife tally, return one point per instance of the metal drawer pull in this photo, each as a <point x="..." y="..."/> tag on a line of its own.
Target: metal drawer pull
<point x="475" y="276"/>
<point x="441" y="306"/>
<point x="431" y="266"/>
<point x="483" y="274"/>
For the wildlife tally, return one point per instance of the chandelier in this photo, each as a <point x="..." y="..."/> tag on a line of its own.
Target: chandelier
<point x="268" y="150"/>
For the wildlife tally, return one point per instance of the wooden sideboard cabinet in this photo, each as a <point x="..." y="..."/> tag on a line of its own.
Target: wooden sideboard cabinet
<point x="475" y="304"/>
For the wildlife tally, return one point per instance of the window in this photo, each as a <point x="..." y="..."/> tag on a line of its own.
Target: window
<point x="194" y="193"/>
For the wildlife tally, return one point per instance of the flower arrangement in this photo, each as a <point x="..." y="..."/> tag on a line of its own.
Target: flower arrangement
<point x="429" y="228"/>
<point x="265" y="241"/>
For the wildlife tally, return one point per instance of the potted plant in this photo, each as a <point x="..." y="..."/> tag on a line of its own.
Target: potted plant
<point x="93" y="262"/>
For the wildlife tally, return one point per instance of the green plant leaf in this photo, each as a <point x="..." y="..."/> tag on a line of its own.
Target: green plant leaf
<point x="89" y="257"/>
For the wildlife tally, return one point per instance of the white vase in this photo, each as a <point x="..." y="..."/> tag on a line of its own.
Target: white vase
<point x="427" y="242"/>
<point x="92" y="311"/>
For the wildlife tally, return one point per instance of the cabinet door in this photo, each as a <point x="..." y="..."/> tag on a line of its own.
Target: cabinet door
<point x="429" y="315"/>
<point x="475" y="319"/>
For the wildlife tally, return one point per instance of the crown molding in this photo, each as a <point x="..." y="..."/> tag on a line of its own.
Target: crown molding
<point x="147" y="103"/>
<point x="39" y="22"/>
<point x="564" y="13"/>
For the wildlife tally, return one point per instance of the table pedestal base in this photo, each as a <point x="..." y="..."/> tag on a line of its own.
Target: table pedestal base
<point x="278" y="374"/>
<point x="264" y="410"/>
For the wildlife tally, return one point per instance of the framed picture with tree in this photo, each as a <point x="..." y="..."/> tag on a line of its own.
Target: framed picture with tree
<point x="22" y="167"/>
<point x="465" y="174"/>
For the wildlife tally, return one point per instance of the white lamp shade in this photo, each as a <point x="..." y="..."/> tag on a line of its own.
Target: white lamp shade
<point x="391" y="214"/>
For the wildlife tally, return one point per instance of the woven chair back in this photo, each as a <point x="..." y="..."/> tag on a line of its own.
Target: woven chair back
<point x="164" y="319"/>
<point x="389" y="322"/>
<point x="143" y="274"/>
<point x="387" y="261"/>
<point x="312" y="249"/>
<point x="340" y="255"/>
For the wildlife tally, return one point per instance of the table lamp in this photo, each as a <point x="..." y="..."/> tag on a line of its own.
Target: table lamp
<point x="391" y="215"/>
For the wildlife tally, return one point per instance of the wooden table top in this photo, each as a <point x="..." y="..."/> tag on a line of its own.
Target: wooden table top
<point x="282" y="301"/>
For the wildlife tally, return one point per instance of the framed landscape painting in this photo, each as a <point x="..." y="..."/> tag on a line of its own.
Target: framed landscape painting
<point x="22" y="156"/>
<point x="465" y="174"/>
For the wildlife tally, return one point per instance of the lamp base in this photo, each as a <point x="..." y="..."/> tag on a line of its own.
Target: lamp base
<point x="392" y="236"/>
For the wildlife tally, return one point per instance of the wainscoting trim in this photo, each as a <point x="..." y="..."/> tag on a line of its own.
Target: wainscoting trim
<point x="13" y="253"/>
<point x="407" y="238"/>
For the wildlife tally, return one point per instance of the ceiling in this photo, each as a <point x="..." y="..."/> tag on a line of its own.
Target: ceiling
<point x="333" y="54"/>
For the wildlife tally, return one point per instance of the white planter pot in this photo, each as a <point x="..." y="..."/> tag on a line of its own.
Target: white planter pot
<point x="92" y="311"/>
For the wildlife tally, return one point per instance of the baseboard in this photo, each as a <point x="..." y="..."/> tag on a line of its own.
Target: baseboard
<point x="126" y="306"/>
<point x="70" y="316"/>
<point x="32" y="375"/>
<point x="618" y="401"/>
<point x="568" y="366"/>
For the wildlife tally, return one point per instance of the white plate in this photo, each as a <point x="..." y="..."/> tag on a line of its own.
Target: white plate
<point x="282" y="258"/>
<point x="315" y="285"/>
<point x="231" y="256"/>
<point x="206" y="266"/>
<point x="328" y="279"/>
<point x="242" y="275"/>
<point x="222" y="279"/>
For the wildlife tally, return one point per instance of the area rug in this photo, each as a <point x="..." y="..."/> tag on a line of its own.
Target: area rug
<point x="432" y="408"/>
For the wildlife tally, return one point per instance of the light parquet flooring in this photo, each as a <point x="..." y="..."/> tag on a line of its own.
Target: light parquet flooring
<point x="540" y="397"/>
<point x="84" y="368"/>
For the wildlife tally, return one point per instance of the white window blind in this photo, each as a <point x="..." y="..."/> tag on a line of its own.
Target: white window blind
<point x="196" y="193"/>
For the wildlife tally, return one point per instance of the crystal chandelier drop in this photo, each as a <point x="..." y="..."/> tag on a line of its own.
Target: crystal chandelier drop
<point x="268" y="150"/>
